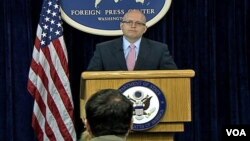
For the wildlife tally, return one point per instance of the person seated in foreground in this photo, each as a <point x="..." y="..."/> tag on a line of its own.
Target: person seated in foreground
<point x="108" y="116"/>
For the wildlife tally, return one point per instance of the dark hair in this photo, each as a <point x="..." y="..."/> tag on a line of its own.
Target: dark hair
<point x="109" y="112"/>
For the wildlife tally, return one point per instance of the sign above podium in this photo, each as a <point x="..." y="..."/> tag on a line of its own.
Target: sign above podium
<point x="102" y="17"/>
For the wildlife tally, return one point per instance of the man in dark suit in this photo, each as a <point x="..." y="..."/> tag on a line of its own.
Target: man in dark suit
<point x="149" y="54"/>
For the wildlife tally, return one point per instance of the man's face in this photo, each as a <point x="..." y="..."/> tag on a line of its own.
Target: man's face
<point x="133" y="25"/>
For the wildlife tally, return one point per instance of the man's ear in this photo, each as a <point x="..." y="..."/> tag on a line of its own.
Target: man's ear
<point x="121" y="25"/>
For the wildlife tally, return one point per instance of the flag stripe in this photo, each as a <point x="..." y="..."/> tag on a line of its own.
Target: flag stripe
<point x="37" y="128"/>
<point x="58" y="44"/>
<point x="58" y="84"/>
<point x="39" y="115"/>
<point x="42" y="111"/>
<point x="49" y="79"/>
<point x="48" y="82"/>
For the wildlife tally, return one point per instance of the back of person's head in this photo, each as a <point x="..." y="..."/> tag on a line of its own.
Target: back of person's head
<point x="109" y="112"/>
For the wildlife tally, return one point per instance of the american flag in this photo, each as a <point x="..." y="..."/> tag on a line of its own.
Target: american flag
<point x="48" y="79"/>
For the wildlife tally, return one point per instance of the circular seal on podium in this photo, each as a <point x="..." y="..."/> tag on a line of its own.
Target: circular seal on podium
<point x="149" y="103"/>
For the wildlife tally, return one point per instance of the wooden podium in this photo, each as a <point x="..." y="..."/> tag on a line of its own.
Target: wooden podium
<point x="175" y="84"/>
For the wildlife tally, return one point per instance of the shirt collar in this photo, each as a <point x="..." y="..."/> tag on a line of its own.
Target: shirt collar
<point x="126" y="43"/>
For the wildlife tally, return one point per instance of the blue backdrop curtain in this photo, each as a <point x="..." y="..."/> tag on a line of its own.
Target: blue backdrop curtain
<point x="209" y="36"/>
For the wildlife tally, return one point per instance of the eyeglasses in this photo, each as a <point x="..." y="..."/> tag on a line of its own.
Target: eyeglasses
<point x="131" y="23"/>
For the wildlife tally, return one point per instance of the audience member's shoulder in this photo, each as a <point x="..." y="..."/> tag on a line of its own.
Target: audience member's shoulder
<point x="85" y="136"/>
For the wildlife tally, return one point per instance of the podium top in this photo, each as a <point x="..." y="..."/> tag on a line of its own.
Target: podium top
<point x="138" y="74"/>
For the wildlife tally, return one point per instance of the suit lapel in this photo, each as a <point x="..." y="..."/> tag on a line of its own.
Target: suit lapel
<point x="117" y="51"/>
<point x="142" y="56"/>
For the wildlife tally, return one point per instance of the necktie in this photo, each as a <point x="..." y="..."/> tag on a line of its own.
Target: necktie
<point x="131" y="58"/>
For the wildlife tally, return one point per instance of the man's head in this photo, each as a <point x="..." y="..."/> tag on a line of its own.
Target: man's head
<point x="108" y="112"/>
<point x="133" y="25"/>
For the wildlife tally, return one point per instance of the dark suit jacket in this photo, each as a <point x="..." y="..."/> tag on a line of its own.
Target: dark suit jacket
<point x="109" y="56"/>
